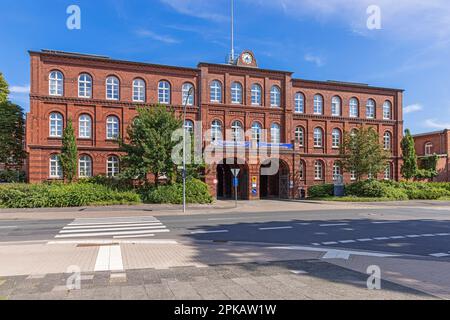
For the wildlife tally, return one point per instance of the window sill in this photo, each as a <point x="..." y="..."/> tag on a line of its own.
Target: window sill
<point x="55" y="138"/>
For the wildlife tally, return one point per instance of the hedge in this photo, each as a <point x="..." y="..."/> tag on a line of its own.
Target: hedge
<point x="321" y="191"/>
<point x="196" y="192"/>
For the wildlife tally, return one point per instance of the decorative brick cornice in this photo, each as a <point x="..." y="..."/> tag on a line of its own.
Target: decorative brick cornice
<point x="298" y="116"/>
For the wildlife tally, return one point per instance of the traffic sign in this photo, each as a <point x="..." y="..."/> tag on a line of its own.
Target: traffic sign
<point x="235" y="172"/>
<point x="235" y="182"/>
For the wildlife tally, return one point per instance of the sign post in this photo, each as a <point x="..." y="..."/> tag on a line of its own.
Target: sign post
<point x="235" y="173"/>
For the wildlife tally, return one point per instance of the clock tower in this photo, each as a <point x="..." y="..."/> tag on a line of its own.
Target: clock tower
<point x="247" y="59"/>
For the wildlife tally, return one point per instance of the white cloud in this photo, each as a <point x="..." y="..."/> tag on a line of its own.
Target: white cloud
<point x="158" y="37"/>
<point x="435" y="124"/>
<point x="203" y="9"/>
<point x="20" y="89"/>
<point x="320" y="62"/>
<point x="413" y="108"/>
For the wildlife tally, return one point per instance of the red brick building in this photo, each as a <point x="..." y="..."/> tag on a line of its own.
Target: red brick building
<point x="438" y="143"/>
<point x="307" y="119"/>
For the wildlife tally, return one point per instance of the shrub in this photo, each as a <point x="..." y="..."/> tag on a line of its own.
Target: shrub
<point x="375" y="189"/>
<point x="12" y="176"/>
<point x="62" y="195"/>
<point x="196" y="192"/>
<point x="116" y="183"/>
<point x="321" y="191"/>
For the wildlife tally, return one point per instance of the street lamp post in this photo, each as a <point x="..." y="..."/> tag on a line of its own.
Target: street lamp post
<point x="184" y="147"/>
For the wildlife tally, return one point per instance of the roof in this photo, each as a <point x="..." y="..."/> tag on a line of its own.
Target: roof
<point x="431" y="133"/>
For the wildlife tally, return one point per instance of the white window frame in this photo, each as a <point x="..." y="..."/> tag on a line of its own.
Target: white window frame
<point x="353" y="108"/>
<point x="301" y="171"/>
<point x="387" y="140"/>
<point x="216" y="130"/>
<point x="370" y="109"/>
<point x="318" y="170"/>
<point x="112" y="166"/>
<point x="85" y="166"/>
<point x="236" y="131"/>
<point x="388" y="172"/>
<point x="55" y="169"/>
<point x="299" y="135"/>
<point x="112" y="88"/>
<point x="164" y="92"/>
<point x="256" y="131"/>
<point x="336" y="171"/>
<point x="188" y="98"/>
<point x="85" y="126"/>
<point x="84" y="86"/>
<point x="215" y="91"/>
<point x="275" y="132"/>
<point x="189" y="126"/>
<point x="318" y="104"/>
<point x="336" y="106"/>
<point x="352" y="175"/>
<point x="299" y="102"/>
<point x="112" y="128"/>
<point x="335" y="138"/>
<point x="256" y="95"/>
<point x="236" y="93"/>
<point x="56" y="125"/>
<point x="318" y="138"/>
<point x="387" y="110"/>
<point x="429" y="148"/>
<point x="275" y="97"/>
<point x="56" y="83"/>
<point x="139" y="89"/>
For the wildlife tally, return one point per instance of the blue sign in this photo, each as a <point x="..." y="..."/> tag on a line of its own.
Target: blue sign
<point x="254" y="191"/>
<point x="235" y="182"/>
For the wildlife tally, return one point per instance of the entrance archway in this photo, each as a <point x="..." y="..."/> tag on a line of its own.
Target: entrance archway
<point x="225" y="188"/>
<point x="274" y="186"/>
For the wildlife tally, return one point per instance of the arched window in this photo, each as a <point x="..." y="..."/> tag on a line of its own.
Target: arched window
<point x="354" y="108"/>
<point x="56" y="125"/>
<point x="388" y="172"/>
<point x="112" y="88"/>
<point x="216" y="130"/>
<point x="318" y="137"/>
<point x="302" y="170"/>
<point x="55" y="83"/>
<point x="275" y="133"/>
<point x="112" y="166"/>
<point x="387" y="113"/>
<point x="85" y="86"/>
<point x="336" y="138"/>
<point x="85" y="126"/>
<point x="370" y="109"/>
<point x="300" y="136"/>
<point x="215" y="91"/>
<point x="336" y="170"/>
<point x="256" y="132"/>
<point x="138" y="90"/>
<point x="188" y="94"/>
<point x="299" y="103"/>
<point x="85" y="166"/>
<point x="189" y="126"/>
<point x="55" y="166"/>
<point x="275" y="97"/>
<point x="236" y="93"/>
<point x="256" y="95"/>
<point x="236" y="131"/>
<point x="387" y="140"/>
<point x="428" y="149"/>
<point x="112" y="127"/>
<point x="318" y="104"/>
<point x="352" y="175"/>
<point x="164" y="92"/>
<point x="318" y="170"/>
<point x="336" y="106"/>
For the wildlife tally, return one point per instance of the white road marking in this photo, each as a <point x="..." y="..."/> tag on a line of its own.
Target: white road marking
<point x="108" y="233"/>
<point x="304" y="223"/>
<point x="443" y="234"/>
<point x="111" y="242"/>
<point x="8" y="227"/>
<point x="412" y="236"/>
<point x="333" y="224"/>
<point x="381" y="238"/>
<point x="110" y="223"/>
<point x="315" y="244"/>
<point x="439" y="255"/>
<point x="298" y="272"/>
<point x="427" y="235"/>
<point x="383" y="222"/>
<point x="208" y="231"/>
<point x="113" y="225"/>
<point x="135" y="236"/>
<point x="275" y="228"/>
<point x="347" y="241"/>
<point x="111" y="229"/>
<point x="109" y="258"/>
<point x="364" y="240"/>
<point x="397" y="237"/>
<point x="329" y="242"/>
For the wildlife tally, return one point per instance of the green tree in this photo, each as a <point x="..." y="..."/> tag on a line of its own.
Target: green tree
<point x="4" y="91"/>
<point x="11" y="134"/>
<point x="69" y="153"/>
<point x="362" y="152"/>
<point x="150" y="144"/>
<point x="409" y="167"/>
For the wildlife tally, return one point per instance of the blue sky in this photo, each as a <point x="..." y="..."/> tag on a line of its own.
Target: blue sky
<point x="316" y="39"/>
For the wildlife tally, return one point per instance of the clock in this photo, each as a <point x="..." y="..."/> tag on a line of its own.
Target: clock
<point x="247" y="58"/>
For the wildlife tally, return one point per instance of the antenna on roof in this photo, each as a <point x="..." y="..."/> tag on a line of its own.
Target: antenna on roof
<point x="231" y="57"/>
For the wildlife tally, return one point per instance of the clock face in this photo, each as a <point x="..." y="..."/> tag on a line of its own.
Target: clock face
<point x="247" y="58"/>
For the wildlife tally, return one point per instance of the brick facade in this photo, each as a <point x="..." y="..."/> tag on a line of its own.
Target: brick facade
<point x="439" y="144"/>
<point x="40" y="146"/>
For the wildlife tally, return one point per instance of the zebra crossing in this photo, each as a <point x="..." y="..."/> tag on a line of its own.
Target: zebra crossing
<point x="112" y="228"/>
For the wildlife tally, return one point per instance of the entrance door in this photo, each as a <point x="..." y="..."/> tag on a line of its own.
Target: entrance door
<point x="225" y="188"/>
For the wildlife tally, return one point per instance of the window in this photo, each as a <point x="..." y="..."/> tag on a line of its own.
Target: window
<point x="354" y="108"/>
<point x="56" y="125"/>
<point x="336" y="138"/>
<point x="236" y="93"/>
<point x="84" y="126"/>
<point x="388" y="172"/>
<point x="84" y="86"/>
<point x="318" y="104"/>
<point x="188" y="94"/>
<point x="318" y="170"/>
<point x="387" y="106"/>
<point x="370" y="109"/>
<point x="112" y="88"/>
<point x="299" y="136"/>
<point x="236" y="131"/>
<point x="336" y="106"/>
<point x="56" y="83"/>
<point x="275" y="97"/>
<point x="216" y="91"/>
<point x="256" y="132"/>
<point x="55" y="166"/>
<point x="318" y="138"/>
<point x="164" y="92"/>
<point x="112" y="166"/>
<point x="336" y="170"/>
<point x="216" y="130"/>
<point x="112" y="127"/>
<point x="275" y="133"/>
<point x="256" y="94"/>
<point x="85" y="167"/>
<point x="353" y="132"/>
<point x="138" y="90"/>
<point x="189" y="126"/>
<point x="428" y="149"/>
<point x="387" y="141"/>
<point x="301" y="172"/>
<point x="299" y="103"/>
<point x="352" y="175"/>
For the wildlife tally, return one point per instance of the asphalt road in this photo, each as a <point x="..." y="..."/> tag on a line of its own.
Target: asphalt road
<point x="369" y="230"/>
